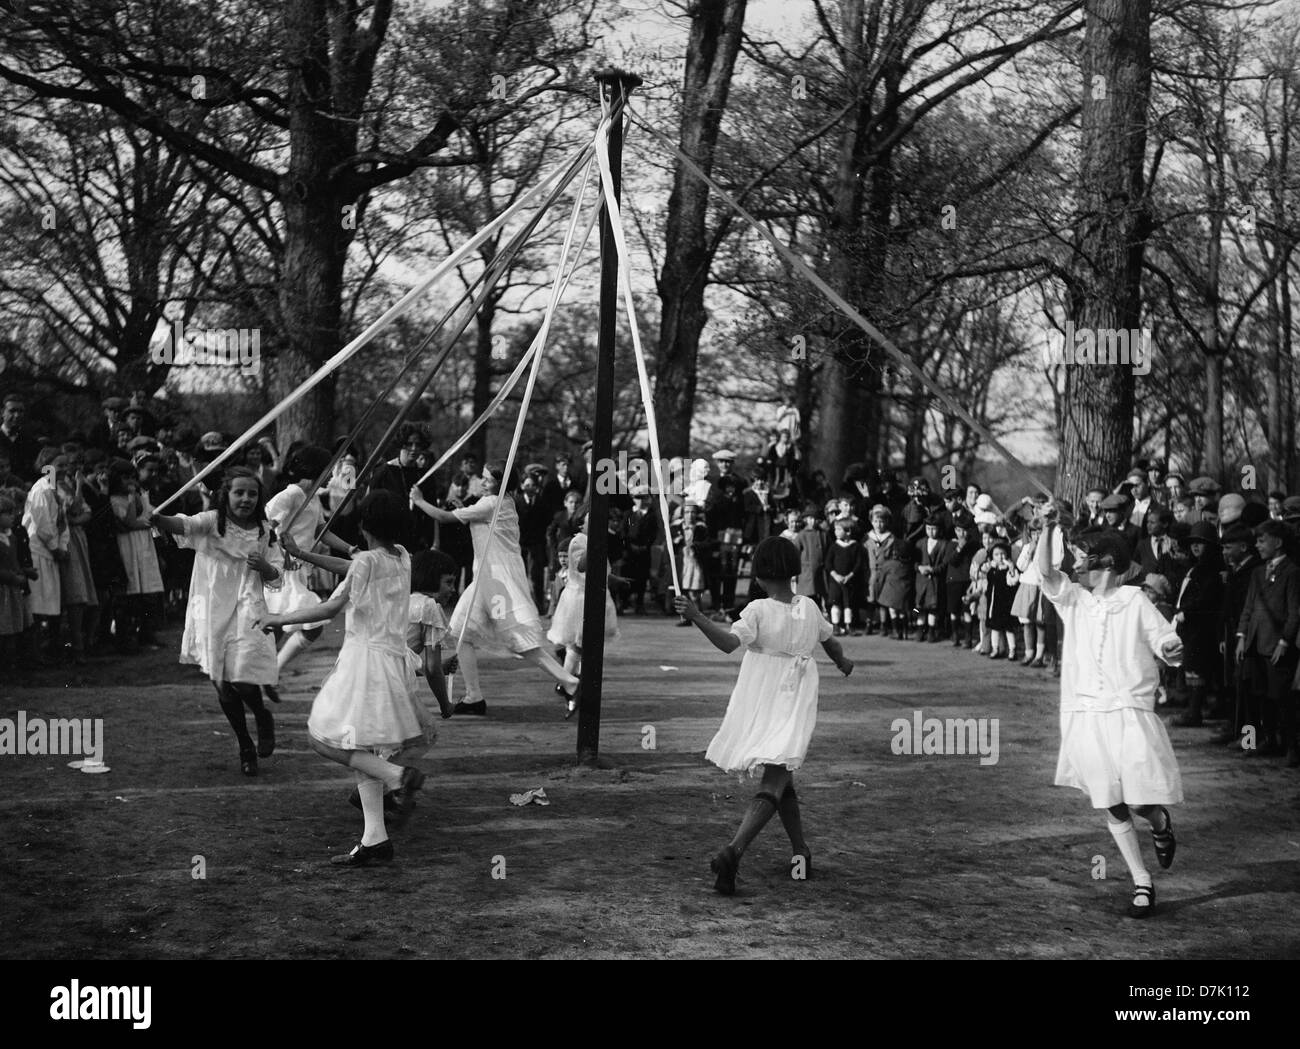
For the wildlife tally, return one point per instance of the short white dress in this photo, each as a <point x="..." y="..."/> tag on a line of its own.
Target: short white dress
<point x="496" y="609"/>
<point x="296" y="593"/>
<point x="226" y="599"/>
<point x="566" y="624"/>
<point x="1114" y="746"/>
<point x="368" y="701"/>
<point x="773" y="708"/>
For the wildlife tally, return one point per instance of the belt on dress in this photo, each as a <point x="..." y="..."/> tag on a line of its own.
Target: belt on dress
<point x="794" y="673"/>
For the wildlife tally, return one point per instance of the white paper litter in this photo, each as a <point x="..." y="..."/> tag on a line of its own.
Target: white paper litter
<point x="534" y="796"/>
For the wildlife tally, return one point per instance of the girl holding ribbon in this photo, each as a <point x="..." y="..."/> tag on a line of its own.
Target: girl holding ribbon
<point x="773" y="708"/>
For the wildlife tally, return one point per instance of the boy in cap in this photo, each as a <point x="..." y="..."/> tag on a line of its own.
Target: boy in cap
<point x="1114" y="510"/>
<point x="1266" y="642"/>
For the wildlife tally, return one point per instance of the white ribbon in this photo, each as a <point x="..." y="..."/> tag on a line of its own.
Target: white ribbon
<point x="557" y="288"/>
<point x="647" y="398"/>
<point x="391" y="314"/>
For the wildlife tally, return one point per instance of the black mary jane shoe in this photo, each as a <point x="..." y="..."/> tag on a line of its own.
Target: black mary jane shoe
<point x="248" y="762"/>
<point x="725" y="865"/>
<point x="265" y="734"/>
<point x="1142" y="910"/>
<point x="571" y="702"/>
<point x="479" y="708"/>
<point x="1165" y="842"/>
<point x="365" y="855"/>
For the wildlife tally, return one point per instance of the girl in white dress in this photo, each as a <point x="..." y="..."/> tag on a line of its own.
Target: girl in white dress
<point x="1114" y="746"/>
<point x="46" y="520"/>
<point x="303" y="467"/>
<point x="773" y="708"/>
<point x="235" y="559"/>
<point x="366" y="712"/>
<point x="566" y="624"/>
<point x="496" y="609"/>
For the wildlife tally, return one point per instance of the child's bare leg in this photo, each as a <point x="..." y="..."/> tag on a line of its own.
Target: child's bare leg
<point x="468" y="657"/>
<point x="373" y="766"/>
<point x="573" y="660"/>
<point x="541" y="657"/>
<point x="299" y="641"/>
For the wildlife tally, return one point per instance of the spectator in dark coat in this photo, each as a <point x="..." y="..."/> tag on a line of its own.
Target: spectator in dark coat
<point x="1266" y="641"/>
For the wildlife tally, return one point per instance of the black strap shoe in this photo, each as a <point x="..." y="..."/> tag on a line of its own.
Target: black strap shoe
<point x="364" y="855"/>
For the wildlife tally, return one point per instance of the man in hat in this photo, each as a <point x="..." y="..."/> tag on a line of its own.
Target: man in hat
<point x="642" y="535"/>
<point x="399" y="475"/>
<point x="724" y="513"/>
<point x="1242" y="560"/>
<point x="1114" y="511"/>
<point x="557" y="485"/>
<point x="21" y="449"/>
<point x="1205" y="496"/>
<point x="1156" y="549"/>
<point x="101" y="434"/>
<point x="1266" y="642"/>
<point x="533" y="522"/>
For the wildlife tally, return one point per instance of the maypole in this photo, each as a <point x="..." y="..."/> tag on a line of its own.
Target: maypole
<point x="615" y="86"/>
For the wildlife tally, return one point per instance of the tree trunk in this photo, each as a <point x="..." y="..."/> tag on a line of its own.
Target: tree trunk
<point x="1097" y="413"/>
<point x="316" y="236"/>
<point x="710" y="59"/>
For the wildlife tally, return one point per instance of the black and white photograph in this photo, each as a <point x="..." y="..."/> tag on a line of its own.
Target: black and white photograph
<point x="676" y="480"/>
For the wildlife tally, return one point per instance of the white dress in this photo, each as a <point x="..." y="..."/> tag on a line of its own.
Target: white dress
<point x="296" y="591"/>
<point x="368" y="700"/>
<point x="47" y="532"/>
<point x="1114" y="746"/>
<point x="139" y="556"/>
<point x="566" y="624"/>
<point x="426" y="623"/>
<point x="226" y="598"/>
<point x="497" y="608"/>
<point x="773" y="708"/>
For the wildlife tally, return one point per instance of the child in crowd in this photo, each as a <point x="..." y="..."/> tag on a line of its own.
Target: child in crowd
<point x="843" y="571"/>
<point x="1002" y="583"/>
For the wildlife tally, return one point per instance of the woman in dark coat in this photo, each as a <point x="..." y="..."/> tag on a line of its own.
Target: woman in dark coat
<point x="1199" y="616"/>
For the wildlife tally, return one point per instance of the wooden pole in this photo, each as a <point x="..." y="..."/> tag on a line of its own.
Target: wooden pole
<point x="615" y="85"/>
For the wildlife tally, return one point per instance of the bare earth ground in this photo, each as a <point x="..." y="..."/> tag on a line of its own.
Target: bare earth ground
<point x="916" y="857"/>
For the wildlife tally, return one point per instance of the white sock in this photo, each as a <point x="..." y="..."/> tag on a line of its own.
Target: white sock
<point x="297" y="644"/>
<point x="572" y="660"/>
<point x="469" y="670"/>
<point x="372" y="807"/>
<point x="542" y="657"/>
<point x="1126" y="838"/>
<point x="835" y="615"/>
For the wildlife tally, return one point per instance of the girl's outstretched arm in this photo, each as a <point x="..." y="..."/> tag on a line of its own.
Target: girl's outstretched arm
<point x="722" y="638"/>
<point x="316" y="614"/>
<point x="832" y="648"/>
<point x="168" y="523"/>
<point x="337" y="565"/>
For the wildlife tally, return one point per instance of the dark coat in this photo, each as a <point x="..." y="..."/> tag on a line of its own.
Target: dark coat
<point x="1271" y="612"/>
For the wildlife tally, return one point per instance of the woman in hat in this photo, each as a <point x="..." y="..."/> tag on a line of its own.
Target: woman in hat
<point x="1198" y="615"/>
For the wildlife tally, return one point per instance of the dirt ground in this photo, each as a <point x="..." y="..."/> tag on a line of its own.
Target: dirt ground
<point x="915" y="856"/>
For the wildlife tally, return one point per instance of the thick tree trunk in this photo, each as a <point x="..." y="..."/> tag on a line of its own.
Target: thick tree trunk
<point x="1097" y="414"/>
<point x="316" y="234"/>
<point x="710" y="59"/>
